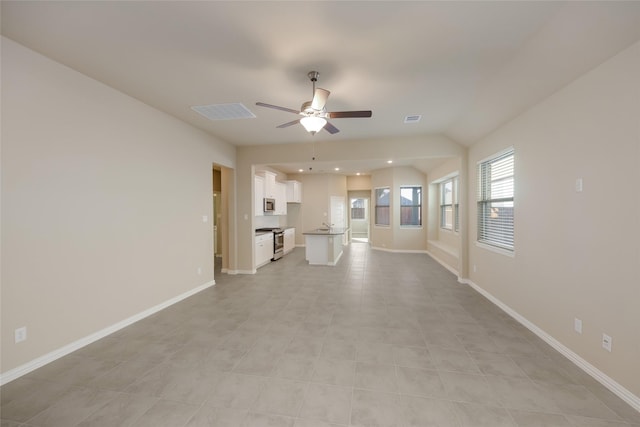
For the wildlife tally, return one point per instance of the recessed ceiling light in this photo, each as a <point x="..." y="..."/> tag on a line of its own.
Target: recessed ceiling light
<point x="389" y="161"/>
<point x="358" y="173"/>
<point x="412" y="119"/>
<point x="336" y="169"/>
<point x="300" y="170"/>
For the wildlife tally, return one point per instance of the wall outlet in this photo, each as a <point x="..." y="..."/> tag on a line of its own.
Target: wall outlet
<point x="199" y="271"/>
<point x="578" y="185"/>
<point x="205" y="218"/>
<point x="607" y="341"/>
<point x="20" y="334"/>
<point x="475" y="269"/>
<point x="577" y="325"/>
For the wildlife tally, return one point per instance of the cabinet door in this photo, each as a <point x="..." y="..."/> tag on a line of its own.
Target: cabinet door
<point x="281" y="198"/>
<point x="294" y="192"/>
<point x="259" y="195"/>
<point x="289" y="239"/>
<point x="269" y="185"/>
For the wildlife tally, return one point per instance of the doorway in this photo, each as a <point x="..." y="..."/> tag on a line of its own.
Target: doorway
<point x="359" y="217"/>
<point x="221" y="214"/>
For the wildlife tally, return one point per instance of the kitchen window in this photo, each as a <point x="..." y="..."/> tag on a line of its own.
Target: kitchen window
<point x="411" y="206"/>
<point x="496" y="201"/>
<point x="383" y="200"/>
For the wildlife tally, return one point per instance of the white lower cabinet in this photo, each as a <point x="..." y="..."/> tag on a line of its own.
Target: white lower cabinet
<point x="289" y="239"/>
<point x="264" y="249"/>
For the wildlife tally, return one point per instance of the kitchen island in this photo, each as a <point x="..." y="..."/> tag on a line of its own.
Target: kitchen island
<point x="323" y="246"/>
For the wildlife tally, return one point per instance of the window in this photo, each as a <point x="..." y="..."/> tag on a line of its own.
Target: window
<point x="410" y="206"/>
<point x="449" y="205"/>
<point x="495" y="201"/>
<point x="446" y="204"/>
<point x="358" y="209"/>
<point x="456" y="206"/>
<point x="382" y="206"/>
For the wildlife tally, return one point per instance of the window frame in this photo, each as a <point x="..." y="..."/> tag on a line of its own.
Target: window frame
<point x="419" y="206"/>
<point x="377" y="206"/>
<point x="488" y="235"/>
<point x="444" y="205"/>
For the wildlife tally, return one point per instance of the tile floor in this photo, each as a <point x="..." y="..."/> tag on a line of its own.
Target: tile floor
<point x="380" y="340"/>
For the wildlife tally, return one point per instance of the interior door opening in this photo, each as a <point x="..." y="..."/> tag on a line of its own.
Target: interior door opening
<point x="359" y="216"/>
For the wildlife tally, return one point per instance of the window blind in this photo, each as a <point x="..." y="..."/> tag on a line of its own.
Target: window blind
<point x="496" y="201"/>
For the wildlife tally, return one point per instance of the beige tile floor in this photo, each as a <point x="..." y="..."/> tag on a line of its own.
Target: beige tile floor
<point x="380" y="340"/>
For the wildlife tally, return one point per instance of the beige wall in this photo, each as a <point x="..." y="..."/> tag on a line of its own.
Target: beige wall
<point x="577" y="254"/>
<point x="362" y="182"/>
<point x="395" y="237"/>
<point x="444" y="245"/>
<point x="102" y="205"/>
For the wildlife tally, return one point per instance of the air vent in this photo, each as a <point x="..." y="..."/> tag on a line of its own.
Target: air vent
<point x="224" y="111"/>
<point x="412" y="119"/>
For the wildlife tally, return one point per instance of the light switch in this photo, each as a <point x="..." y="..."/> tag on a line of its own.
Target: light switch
<point x="579" y="185"/>
<point x="205" y="218"/>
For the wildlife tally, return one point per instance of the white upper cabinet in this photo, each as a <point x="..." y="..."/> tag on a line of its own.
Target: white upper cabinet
<point x="259" y="195"/>
<point x="270" y="189"/>
<point x="294" y="192"/>
<point x="281" y="199"/>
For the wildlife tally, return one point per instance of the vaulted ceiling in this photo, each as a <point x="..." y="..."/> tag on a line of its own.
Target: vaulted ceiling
<point x="465" y="67"/>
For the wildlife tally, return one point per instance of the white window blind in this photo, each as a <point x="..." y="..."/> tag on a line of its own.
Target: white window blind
<point x="496" y="201"/>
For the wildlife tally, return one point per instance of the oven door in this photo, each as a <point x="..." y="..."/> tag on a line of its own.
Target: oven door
<point x="278" y="245"/>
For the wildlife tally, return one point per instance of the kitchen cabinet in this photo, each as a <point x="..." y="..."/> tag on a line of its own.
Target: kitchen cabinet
<point x="259" y="195"/>
<point x="281" y="198"/>
<point x="294" y="192"/>
<point x="289" y="239"/>
<point x="263" y="249"/>
<point x="270" y="188"/>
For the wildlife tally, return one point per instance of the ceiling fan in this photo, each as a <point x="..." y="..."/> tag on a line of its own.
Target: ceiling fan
<point x="314" y="114"/>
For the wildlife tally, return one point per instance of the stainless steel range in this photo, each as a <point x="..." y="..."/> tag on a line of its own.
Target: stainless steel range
<point x="278" y="241"/>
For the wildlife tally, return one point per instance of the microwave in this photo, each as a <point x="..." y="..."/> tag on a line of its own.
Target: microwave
<point x="269" y="205"/>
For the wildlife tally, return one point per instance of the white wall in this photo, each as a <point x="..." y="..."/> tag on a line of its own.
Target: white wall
<point x="576" y="254"/>
<point x="102" y="205"/>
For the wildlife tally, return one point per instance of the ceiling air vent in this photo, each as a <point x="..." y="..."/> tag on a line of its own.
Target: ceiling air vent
<point x="412" y="119"/>
<point x="224" y="111"/>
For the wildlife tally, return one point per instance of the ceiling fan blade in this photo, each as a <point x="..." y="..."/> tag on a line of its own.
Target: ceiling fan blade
<point x="289" y="110"/>
<point x="319" y="99"/>
<point x="331" y="128"/>
<point x="347" y="114"/>
<point x="286" y="125"/>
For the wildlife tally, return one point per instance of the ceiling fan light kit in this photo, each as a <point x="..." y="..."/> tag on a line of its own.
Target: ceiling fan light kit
<point x="314" y="112"/>
<point x="313" y="124"/>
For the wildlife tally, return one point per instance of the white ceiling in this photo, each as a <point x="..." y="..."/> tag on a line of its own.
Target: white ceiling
<point x="466" y="67"/>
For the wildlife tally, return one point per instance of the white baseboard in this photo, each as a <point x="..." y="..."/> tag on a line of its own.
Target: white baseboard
<point x="400" y="251"/>
<point x="596" y="373"/>
<point x="82" y="342"/>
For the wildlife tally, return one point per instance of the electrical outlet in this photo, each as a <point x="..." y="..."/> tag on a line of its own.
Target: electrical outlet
<point x="20" y="334"/>
<point x="475" y="269"/>
<point x="577" y="325"/>
<point x="579" y="185"/>
<point x="607" y="341"/>
<point x="199" y="271"/>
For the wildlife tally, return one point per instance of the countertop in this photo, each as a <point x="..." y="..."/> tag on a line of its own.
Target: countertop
<point x="333" y="231"/>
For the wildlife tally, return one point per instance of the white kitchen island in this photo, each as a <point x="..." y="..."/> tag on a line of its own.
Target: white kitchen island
<point x="323" y="246"/>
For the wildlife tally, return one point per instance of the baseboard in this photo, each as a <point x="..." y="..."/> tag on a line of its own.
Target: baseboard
<point x="400" y="251"/>
<point x="594" y="372"/>
<point x="445" y="265"/>
<point x="82" y="342"/>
